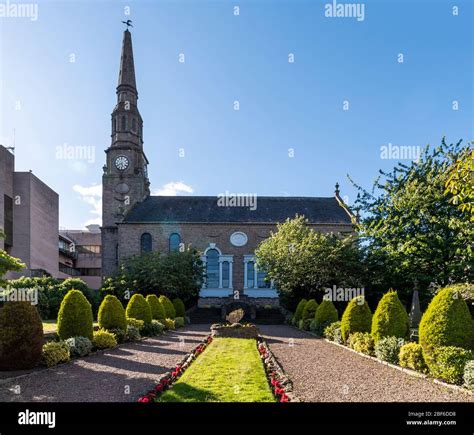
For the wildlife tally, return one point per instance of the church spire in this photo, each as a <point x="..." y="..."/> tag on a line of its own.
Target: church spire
<point x="126" y="81"/>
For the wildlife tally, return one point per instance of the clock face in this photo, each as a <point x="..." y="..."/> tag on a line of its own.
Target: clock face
<point x="122" y="163"/>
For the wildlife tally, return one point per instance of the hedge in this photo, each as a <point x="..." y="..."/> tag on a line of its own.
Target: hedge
<point x="138" y="308"/>
<point x="357" y="317"/>
<point x="112" y="314"/>
<point x="75" y="316"/>
<point x="390" y="318"/>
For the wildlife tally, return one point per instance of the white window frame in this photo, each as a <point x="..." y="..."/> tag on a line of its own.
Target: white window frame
<point x="219" y="291"/>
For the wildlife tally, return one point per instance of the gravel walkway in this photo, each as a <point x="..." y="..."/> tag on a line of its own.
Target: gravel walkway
<point x="116" y="375"/>
<point x="322" y="372"/>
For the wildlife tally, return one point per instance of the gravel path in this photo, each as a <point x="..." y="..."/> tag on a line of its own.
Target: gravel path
<point x="116" y="375"/>
<point x="323" y="372"/>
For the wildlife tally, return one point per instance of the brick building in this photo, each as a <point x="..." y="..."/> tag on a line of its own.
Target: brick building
<point x="227" y="235"/>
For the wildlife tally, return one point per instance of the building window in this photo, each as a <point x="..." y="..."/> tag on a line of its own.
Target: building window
<point x="175" y="241"/>
<point x="124" y="123"/>
<point x="225" y="274"/>
<point x="261" y="281"/>
<point x="212" y="268"/>
<point x="250" y="274"/>
<point x="146" y="242"/>
<point x="115" y="125"/>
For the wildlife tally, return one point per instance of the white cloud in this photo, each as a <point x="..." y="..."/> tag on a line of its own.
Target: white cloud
<point x="173" y="188"/>
<point x="91" y="195"/>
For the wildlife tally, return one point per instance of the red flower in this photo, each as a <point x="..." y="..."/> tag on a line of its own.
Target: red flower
<point x="284" y="398"/>
<point x="159" y="388"/>
<point x="144" y="399"/>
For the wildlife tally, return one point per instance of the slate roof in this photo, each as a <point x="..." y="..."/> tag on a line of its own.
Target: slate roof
<point x="270" y="209"/>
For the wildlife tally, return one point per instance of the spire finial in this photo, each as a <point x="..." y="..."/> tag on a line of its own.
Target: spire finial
<point x="128" y="23"/>
<point x="337" y="191"/>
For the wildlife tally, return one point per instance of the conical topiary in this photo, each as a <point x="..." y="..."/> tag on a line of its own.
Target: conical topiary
<point x="170" y="312"/>
<point x="309" y="310"/>
<point x="21" y="336"/>
<point x="157" y="310"/>
<point x="446" y="322"/>
<point x="139" y="308"/>
<point x="390" y="318"/>
<point x="357" y="317"/>
<point x="112" y="314"/>
<point x="75" y="316"/>
<point x="299" y="310"/>
<point x="179" y="307"/>
<point x="325" y="315"/>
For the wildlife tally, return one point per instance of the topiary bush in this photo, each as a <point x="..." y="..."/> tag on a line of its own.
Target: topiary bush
<point x="112" y="314"/>
<point x="157" y="310"/>
<point x="21" y="336"/>
<point x="104" y="339"/>
<point x="170" y="312"/>
<point x="446" y="322"/>
<point x="139" y="308"/>
<point x="299" y="311"/>
<point x="388" y="349"/>
<point x="79" y="346"/>
<point x="448" y="362"/>
<point x="313" y="327"/>
<point x="139" y="324"/>
<point x="362" y="342"/>
<point x="55" y="352"/>
<point x="152" y="329"/>
<point x="179" y="322"/>
<point x="333" y="332"/>
<point x="179" y="308"/>
<point x="309" y="310"/>
<point x="120" y="334"/>
<point x="357" y="317"/>
<point x="133" y="333"/>
<point x="75" y="316"/>
<point x="325" y="315"/>
<point x="390" y="318"/>
<point x="411" y="356"/>
<point x="469" y="375"/>
<point x="169" y="324"/>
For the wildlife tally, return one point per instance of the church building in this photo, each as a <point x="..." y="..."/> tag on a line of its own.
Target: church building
<point x="225" y="234"/>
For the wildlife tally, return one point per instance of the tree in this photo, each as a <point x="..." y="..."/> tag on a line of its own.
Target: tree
<point x="460" y="182"/>
<point x="177" y="274"/>
<point x="303" y="262"/>
<point x="412" y="232"/>
<point x="8" y="263"/>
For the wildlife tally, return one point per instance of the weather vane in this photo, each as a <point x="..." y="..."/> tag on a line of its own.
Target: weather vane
<point x="128" y="23"/>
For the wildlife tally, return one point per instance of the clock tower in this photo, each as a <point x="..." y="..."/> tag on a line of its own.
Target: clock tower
<point x="125" y="179"/>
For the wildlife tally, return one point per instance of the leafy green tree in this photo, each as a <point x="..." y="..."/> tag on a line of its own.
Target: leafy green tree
<point x="178" y="274"/>
<point x="303" y="262"/>
<point x="8" y="263"/>
<point x="412" y="232"/>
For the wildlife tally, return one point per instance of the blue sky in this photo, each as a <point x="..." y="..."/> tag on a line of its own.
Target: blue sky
<point x="50" y="101"/>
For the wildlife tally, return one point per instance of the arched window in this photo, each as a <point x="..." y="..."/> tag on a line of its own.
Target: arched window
<point x="250" y="274"/>
<point x="212" y="268"/>
<point x="124" y="123"/>
<point x="225" y="274"/>
<point x="175" y="240"/>
<point x="146" y="242"/>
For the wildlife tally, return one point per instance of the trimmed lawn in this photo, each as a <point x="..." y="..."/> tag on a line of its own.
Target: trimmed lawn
<point x="229" y="370"/>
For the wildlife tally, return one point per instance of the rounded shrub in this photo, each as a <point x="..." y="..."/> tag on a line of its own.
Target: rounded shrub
<point x="362" y="342"/>
<point x="309" y="310"/>
<point x="446" y="322"/>
<point x="333" y="332"/>
<point x="139" y="324"/>
<point x="325" y="315"/>
<point x="411" y="356"/>
<point x="170" y="312"/>
<point x="469" y="375"/>
<point x="169" y="324"/>
<point x="120" y="334"/>
<point x="390" y="318"/>
<point x="139" y="308"/>
<point x="79" y="346"/>
<point x="388" y="349"/>
<point x="448" y="362"/>
<point x="357" y="317"/>
<point x="133" y="333"/>
<point x="104" y="339"/>
<point x="21" y="336"/>
<point x="179" y="307"/>
<point x="75" y="316"/>
<point x="152" y="329"/>
<point x="157" y="310"/>
<point x="179" y="322"/>
<point x="55" y="352"/>
<point x="299" y="311"/>
<point x="112" y="314"/>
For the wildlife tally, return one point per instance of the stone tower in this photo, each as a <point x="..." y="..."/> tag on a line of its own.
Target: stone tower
<point x="125" y="179"/>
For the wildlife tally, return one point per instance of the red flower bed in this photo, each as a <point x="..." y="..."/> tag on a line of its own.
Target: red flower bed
<point x="171" y="377"/>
